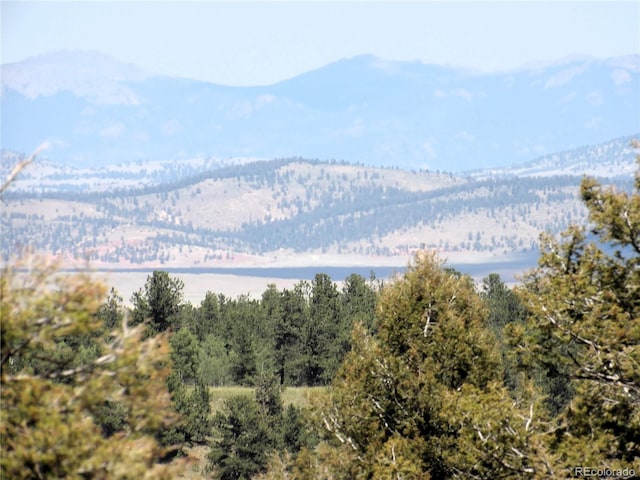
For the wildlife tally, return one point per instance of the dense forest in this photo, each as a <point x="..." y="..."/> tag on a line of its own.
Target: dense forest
<point x="427" y="375"/>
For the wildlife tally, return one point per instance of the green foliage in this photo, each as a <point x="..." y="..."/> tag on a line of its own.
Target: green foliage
<point x="64" y="416"/>
<point x="505" y="308"/>
<point x="504" y="305"/>
<point x="209" y="316"/>
<point x="424" y="397"/>
<point x="197" y="407"/>
<point x="269" y="399"/>
<point x="584" y="320"/>
<point x="321" y="334"/>
<point x="214" y="365"/>
<point x="296" y="432"/>
<point x="376" y="397"/>
<point x="301" y="334"/>
<point x="250" y="431"/>
<point x="244" y="440"/>
<point x="288" y="335"/>
<point x="193" y="406"/>
<point x="359" y="299"/>
<point x="244" y="364"/>
<point x="111" y="417"/>
<point x="185" y="355"/>
<point x="111" y="312"/>
<point x="159" y="302"/>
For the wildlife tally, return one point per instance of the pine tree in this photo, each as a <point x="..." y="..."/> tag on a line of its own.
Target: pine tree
<point x="240" y="447"/>
<point x="159" y="302"/>
<point x="185" y="355"/>
<point x="289" y="336"/>
<point x="505" y="308"/>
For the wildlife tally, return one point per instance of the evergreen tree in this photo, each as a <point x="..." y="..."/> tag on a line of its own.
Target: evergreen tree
<point x="423" y="397"/>
<point x="247" y="443"/>
<point x="244" y="364"/>
<point x="185" y="355"/>
<point x="53" y="421"/>
<point x="111" y="312"/>
<point x="584" y="303"/>
<point x="214" y="365"/>
<point x="159" y="302"/>
<point x="196" y="408"/>
<point x="193" y="407"/>
<point x="243" y="439"/>
<point x="505" y="308"/>
<point x="359" y="300"/>
<point x="321" y="335"/>
<point x="209" y="317"/>
<point x="288" y="336"/>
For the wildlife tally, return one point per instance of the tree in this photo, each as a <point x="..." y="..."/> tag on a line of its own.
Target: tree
<point x="159" y="301"/>
<point x="505" y="308"/>
<point x="288" y="335"/>
<point x="208" y="317"/>
<point x="194" y="409"/>
<point x="243" y="356"/>
<point x="240" y="451"/>
<point x="584" y="304"/>
<point x="52" y="417"/>
<point x="321" y="336"/>
<point x="359" y="301"/>
<point x="185" y="355"/>
<point x="251" y="433"/>
<point x="269" y="401"/>
<point x="424" y="398"/>
<point x="111" y="311"/>
<point x="214" y="366"/>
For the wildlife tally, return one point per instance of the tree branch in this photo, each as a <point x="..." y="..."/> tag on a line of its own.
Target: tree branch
<point x="20" y="166"/>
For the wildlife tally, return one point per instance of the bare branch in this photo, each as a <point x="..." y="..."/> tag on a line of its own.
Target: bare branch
<point x="21" y="165"/>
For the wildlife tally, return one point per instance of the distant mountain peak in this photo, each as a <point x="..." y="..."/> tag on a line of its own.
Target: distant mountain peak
<point x="94" y="76"/>
<point x="364" y="109"/>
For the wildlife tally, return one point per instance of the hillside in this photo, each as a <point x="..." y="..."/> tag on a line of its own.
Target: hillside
<point x="274" y="212"/>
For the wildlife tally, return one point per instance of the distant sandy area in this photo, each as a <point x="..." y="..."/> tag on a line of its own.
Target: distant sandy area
<point x="197" y="285"/>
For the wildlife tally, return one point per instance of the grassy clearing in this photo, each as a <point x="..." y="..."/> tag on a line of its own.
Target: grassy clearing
<point x="298" y="396"/>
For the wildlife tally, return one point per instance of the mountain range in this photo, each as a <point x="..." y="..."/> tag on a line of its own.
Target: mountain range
<point x="96" y="111"/>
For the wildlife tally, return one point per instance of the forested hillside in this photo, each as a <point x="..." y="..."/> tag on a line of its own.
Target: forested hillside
<point x="428" y="375"/>
<point x="205" y="215"/>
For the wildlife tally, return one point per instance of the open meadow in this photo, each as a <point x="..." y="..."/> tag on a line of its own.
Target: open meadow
<point x="297" y="396"/>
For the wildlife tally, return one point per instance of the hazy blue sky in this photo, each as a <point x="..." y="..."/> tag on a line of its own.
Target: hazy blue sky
<point x="251" y="43"/>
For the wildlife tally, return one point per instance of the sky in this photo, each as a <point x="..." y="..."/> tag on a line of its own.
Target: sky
<point x="263" y="42"/>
